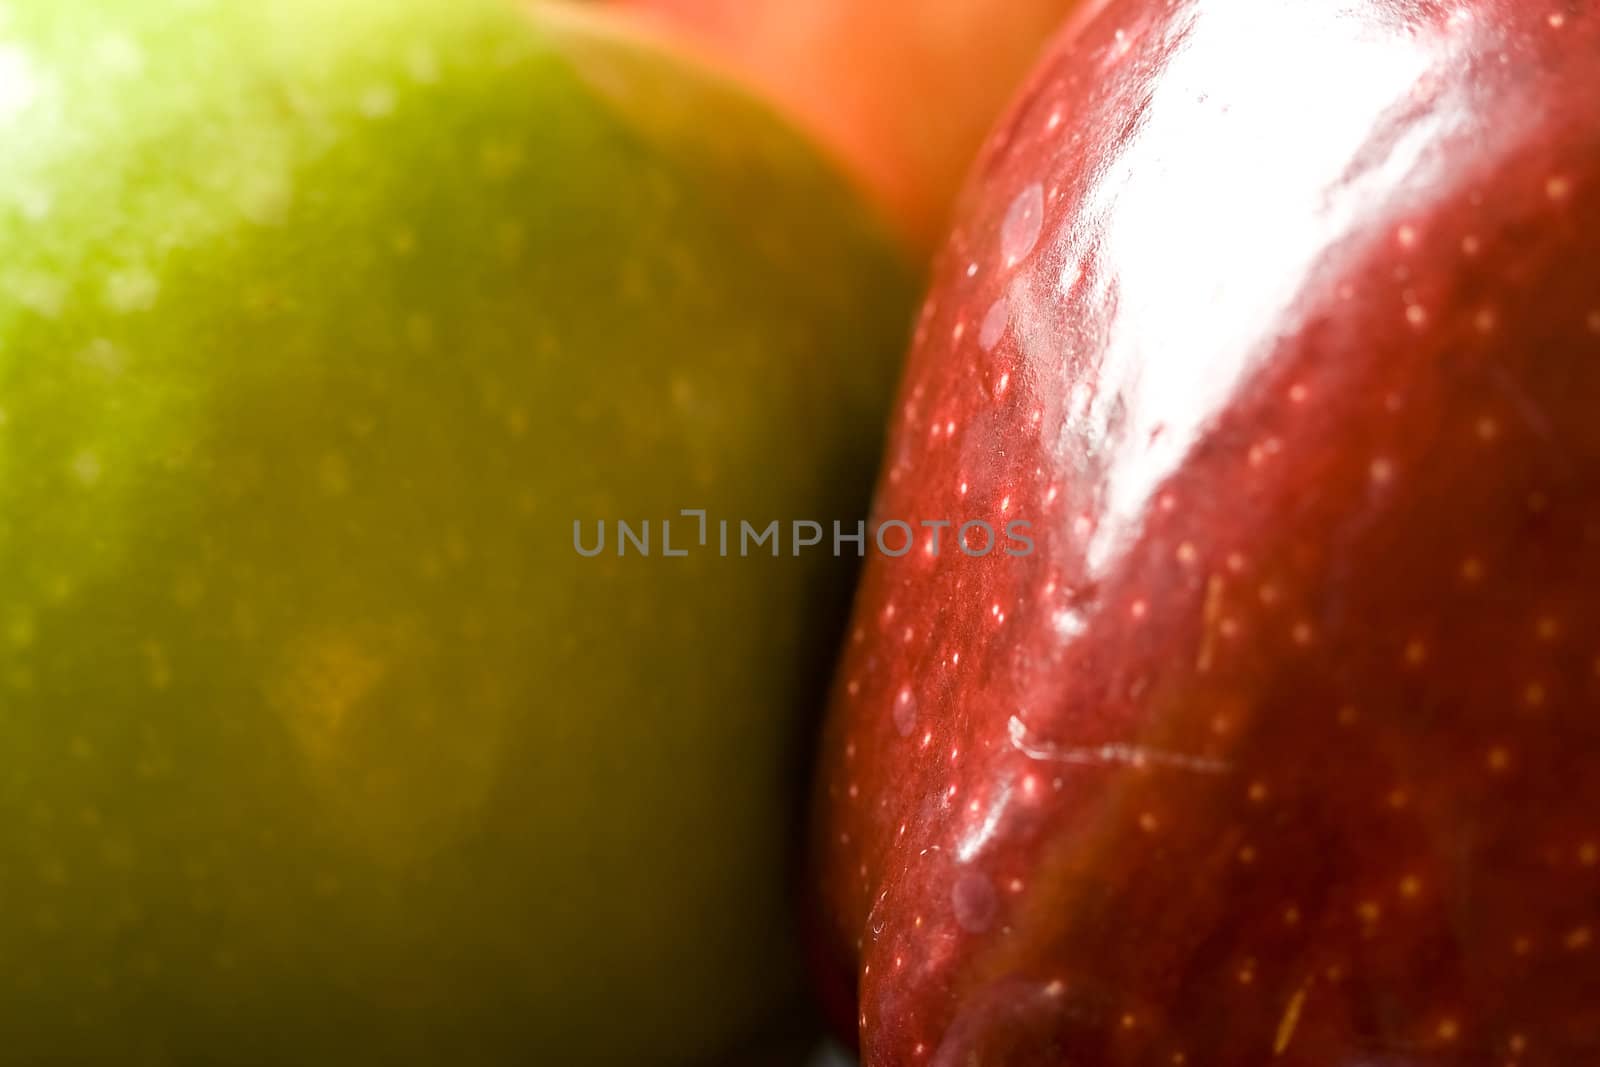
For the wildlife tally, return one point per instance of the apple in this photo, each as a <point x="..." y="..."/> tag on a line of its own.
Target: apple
<point x="902" y="91"/>
<point x="1279" y="324"/>
<point x="321" y="324"/>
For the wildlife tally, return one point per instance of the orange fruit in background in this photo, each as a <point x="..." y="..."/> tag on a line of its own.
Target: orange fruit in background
<point x="902" y="91"/>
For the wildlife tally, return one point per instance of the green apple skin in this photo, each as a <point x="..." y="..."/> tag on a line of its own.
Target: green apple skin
<point x="321" y="321"/>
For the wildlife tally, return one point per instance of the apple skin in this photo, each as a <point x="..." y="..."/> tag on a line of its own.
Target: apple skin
<point x="1279" y="323"/>
<point x="320" y="324"/>
<point x="902" y="91"/>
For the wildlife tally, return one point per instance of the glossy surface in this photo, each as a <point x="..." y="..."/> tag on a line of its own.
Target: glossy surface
<point x="320" y="323"/>
<point x="901" y="91"/>
<point x="1281" y="323"/>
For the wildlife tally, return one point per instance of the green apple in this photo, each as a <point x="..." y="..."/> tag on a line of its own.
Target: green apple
<point x="321" y="321"/>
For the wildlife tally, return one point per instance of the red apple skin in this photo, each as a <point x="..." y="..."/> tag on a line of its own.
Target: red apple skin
<point x="901" y="91"/>
<point x="1281" y="324"/>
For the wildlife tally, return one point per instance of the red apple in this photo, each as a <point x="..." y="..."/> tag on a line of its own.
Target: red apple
<point x="1281" y="325"/>
<point x="901" y="90"/>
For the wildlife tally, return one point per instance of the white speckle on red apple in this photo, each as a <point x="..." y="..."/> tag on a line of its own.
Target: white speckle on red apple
<point x="1068" y="623"/>
<point x="905" y="712"/>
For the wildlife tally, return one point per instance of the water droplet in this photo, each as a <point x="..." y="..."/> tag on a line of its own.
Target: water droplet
<point x="1020" y="231"/>
<point x="994" y="324"/>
